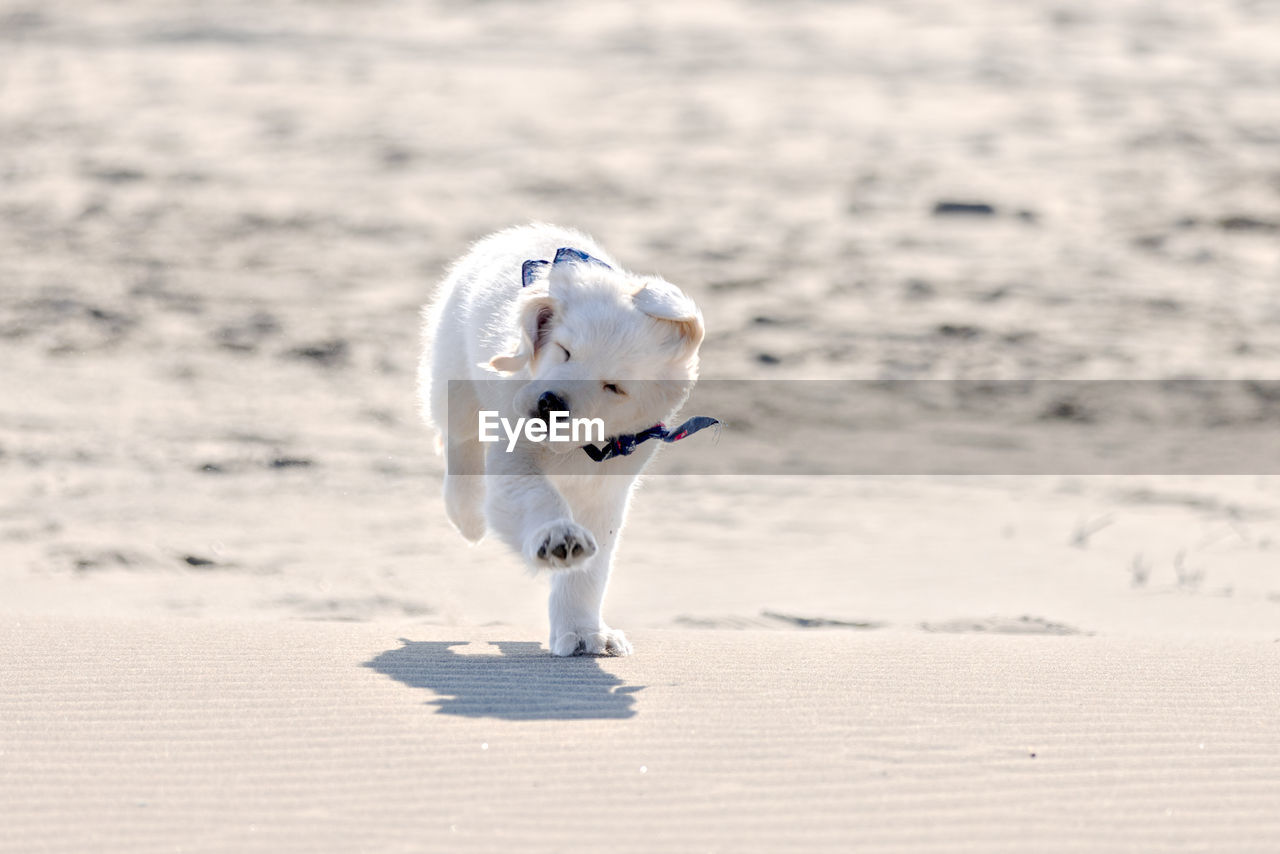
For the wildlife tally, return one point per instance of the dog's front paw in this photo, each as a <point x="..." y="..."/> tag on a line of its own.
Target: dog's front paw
<point x="559" y="545"/>
<point x="604" y="641"/>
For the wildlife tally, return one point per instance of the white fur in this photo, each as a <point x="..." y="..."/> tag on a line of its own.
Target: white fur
<point x="504" y="343"/>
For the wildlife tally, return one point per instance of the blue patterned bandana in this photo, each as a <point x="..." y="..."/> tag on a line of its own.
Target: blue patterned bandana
<point x="621" y="446"/>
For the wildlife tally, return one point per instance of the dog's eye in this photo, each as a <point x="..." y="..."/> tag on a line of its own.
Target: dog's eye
<point x="613" y="388"/>
<point x="567" y="354"/>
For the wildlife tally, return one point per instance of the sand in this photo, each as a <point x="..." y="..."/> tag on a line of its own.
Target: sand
<point x="218" y="221"/>
<point x="164" y="735"/>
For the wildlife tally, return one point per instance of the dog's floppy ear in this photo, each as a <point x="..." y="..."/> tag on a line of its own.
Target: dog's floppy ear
<point x="662" y="300"/>
<point x="535" y="316"/>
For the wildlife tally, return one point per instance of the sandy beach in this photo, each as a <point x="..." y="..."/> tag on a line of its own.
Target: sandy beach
<point x="234" y="616"/>
<point x="215" y="736"/>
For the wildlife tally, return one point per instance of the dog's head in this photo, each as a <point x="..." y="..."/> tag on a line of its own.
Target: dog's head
<point x="600" y="343"/>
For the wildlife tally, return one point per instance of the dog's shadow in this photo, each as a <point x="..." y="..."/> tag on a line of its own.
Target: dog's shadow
<point x="522" y="683"/>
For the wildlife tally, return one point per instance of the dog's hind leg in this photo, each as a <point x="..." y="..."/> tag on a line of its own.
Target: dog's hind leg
<point x="464" y="466"/>
<point x="464" y="495"/>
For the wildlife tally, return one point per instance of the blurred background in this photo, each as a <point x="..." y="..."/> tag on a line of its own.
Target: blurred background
<point x="218" y="222"/>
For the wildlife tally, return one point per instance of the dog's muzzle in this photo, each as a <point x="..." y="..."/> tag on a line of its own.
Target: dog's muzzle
<point x="548" y="403"/>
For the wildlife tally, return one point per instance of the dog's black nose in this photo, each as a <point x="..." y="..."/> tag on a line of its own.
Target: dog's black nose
<point x="551" y="402"/>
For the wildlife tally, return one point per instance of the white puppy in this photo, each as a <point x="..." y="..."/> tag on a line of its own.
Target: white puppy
<point x="539" y="320"/>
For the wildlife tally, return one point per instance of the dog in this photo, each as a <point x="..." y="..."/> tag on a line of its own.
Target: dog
<point x="540" y="323"/>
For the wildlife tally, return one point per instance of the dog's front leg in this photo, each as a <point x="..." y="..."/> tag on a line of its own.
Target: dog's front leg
<point x="577" y="625"/>
<point x="577" y="621"/>
<point x="527" y="512"/>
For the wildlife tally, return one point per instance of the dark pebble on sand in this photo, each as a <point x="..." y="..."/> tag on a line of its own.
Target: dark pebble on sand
<point x="1266" y="390"/>
<point x="247" y="335"/>
<point x="919" y="289"/>
<point x="396" y="157"/>
<point x="117" y="174"/>
<point x="963" y="209"/>
<point x="768" y="359"/>
<point x="212" y="468"/>
<point x="194" y="560"/>
<point x="1067" y="410"/>
<point x="327" y="353"/>
<point x="290" y="462"/>
<point x="1248" y="223"/>
<point x="102" y="560"/>
<point x="959" y="330"/>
